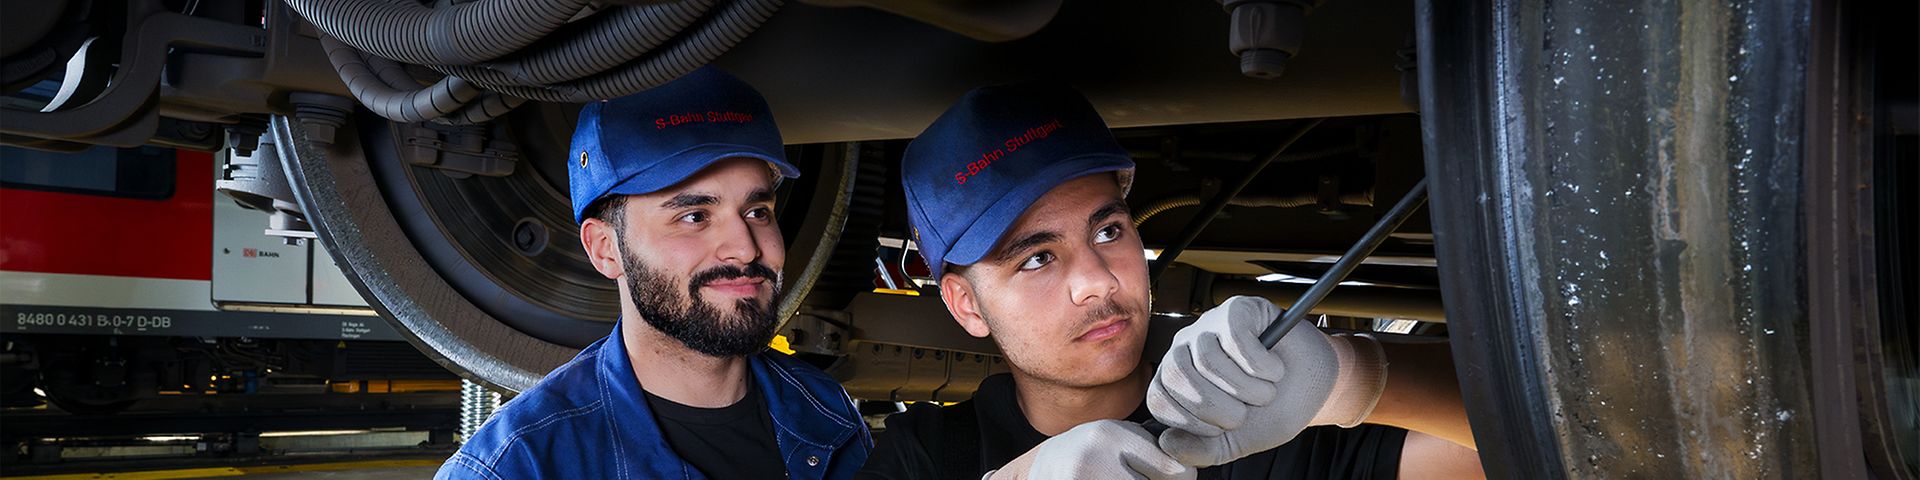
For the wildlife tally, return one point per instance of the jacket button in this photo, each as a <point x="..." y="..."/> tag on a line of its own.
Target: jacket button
<point x="813" y="461"/>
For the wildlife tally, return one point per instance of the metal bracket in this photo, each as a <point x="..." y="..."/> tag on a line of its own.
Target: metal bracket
<point x="124" y="114"/>
<point x="1328" y="197"/>
<point x="460" y="151"/>
<point x="818" y="331"/>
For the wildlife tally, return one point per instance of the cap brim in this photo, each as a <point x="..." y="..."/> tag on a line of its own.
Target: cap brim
<point x="980" y="237"/>
<point x="685" y="163"/>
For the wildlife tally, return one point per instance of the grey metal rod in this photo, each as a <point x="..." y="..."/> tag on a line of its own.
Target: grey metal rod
<point x="1219" y="202"/>
<point x="1348" y="300"/>
<point x="1338" y="273"/>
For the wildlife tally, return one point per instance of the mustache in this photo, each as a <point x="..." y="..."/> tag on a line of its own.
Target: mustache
<point x="710" y="330"/>
<point x="729" y="272"/>
<point x="1105" y="310"/>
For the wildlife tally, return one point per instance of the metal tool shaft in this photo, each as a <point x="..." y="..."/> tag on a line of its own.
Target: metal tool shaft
<point x="1343" y="267"/>
<point x="1338" y="273"/>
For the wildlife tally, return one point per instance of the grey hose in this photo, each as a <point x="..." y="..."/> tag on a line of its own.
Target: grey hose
<point x="1363" y="199"/>
<point x="628" y="49"/>
<point x="1162" y="206"/>
<point x="393" y="73"/>
<point x="378" y="94"/>
<point x="490" y="106"/>
<point x="708" y="41"/>
<point x="487" y="106"/>
<point x="459" y="34"/>
<point x="624" y="35"/>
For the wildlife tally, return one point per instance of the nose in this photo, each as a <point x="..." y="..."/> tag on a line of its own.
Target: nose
<point x="1091" y="279"/>
<point x="735" y="242"/>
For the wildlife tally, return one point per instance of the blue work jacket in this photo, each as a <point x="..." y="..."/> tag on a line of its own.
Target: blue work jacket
<point x="588" y="420"/>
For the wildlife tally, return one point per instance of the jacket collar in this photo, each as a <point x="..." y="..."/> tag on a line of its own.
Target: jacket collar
<point x="800" y="405"/>
<point x="637" y="440"/>
<point x="799" y="413"/>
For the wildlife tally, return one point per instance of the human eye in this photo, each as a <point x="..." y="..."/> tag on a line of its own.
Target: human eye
<point x="694" y="217"/>
<point x="1107" y="234"/>
<point x="760" y="213"/>
<point x="1037" y="260"/>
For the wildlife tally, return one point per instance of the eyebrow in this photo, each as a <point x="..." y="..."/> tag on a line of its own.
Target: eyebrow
<point x="1025" y="242"/>
<point x="760" y="195"/>
<point x="685" y="200"/>
<point x="1116" y="207"/>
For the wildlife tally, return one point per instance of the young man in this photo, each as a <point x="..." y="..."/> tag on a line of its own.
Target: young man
<point x="1017" y="197"/>
<point x="673" y="189"/>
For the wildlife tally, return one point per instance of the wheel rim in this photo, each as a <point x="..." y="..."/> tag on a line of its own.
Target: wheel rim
<point x="456" y="281"/>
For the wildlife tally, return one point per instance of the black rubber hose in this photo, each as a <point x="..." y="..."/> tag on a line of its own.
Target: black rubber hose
<point x="489" y="106"/>
<point x="393" y="73"/>
<point x="460" y="34"/>
<point x="621" y="36"/>
<point x="634" y="48"/>
<point x="446" y="96"/>
<point x="708" y="41"/>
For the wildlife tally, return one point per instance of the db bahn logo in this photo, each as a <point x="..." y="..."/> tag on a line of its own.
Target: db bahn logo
<point x="253" y="253"/>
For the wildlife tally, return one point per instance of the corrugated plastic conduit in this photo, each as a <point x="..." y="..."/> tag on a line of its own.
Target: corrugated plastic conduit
<point x="495" y="54"/>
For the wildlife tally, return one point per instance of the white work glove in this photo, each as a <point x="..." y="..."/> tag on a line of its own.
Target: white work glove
<point x="1100" y="449"/>
<point x="1224" y="396"/>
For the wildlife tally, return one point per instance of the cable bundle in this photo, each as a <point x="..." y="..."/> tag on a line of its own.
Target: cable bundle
<point x="497" y="54"/>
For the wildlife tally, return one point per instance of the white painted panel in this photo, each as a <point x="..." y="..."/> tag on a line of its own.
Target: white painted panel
<point x="248" y="265"/>
<point x="330" y="285"/>
<point x="69" y="290"/>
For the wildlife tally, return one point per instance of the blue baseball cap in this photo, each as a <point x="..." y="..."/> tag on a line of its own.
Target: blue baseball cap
<point x="990" y="156"/>
<point x="648" y="141"/>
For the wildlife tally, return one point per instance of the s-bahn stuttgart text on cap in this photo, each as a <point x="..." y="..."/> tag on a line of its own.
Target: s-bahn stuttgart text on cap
<point x="990" y="156"/>
<point x="651" y="140"/>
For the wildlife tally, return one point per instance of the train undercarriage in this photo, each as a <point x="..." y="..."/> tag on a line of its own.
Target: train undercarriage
<point x="1717" y="196"/>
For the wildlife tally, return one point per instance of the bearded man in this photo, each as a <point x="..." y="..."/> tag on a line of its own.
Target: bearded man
<point x="673" y="189"/>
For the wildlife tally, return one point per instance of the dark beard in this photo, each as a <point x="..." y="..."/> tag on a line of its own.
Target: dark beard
<point x="683" y="315"/>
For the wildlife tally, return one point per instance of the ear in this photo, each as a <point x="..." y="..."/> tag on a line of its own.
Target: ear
<point x="958" y="294"/>
<point x="599" y="239"/>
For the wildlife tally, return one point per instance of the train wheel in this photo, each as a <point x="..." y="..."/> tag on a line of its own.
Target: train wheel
<point x="1656" y="231"/>
<point x="464" y="238"/>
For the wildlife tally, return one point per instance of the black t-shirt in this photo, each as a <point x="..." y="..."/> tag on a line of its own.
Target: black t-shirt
<point x="735" y="441"/>
<point x="917" y="445"/>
